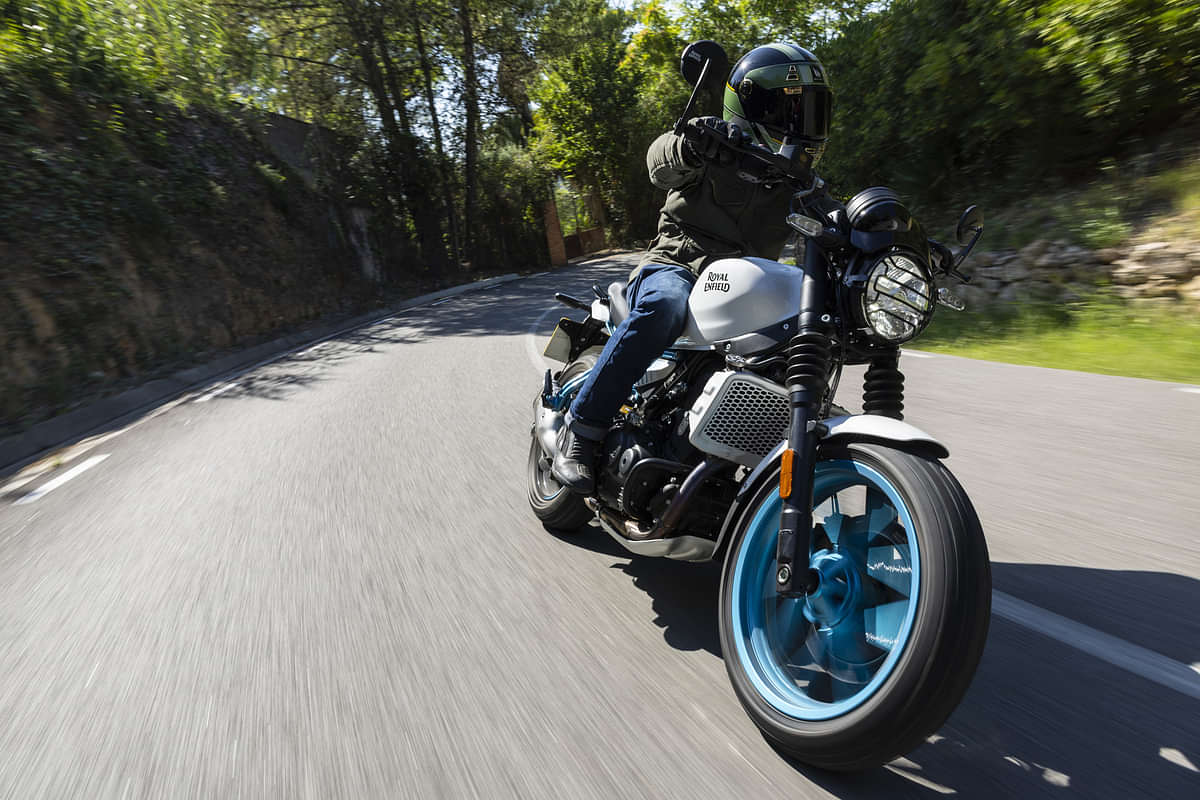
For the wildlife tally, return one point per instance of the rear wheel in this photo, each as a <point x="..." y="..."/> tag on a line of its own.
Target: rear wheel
<point x="557" y="507"/>
<point x="876" y="659"/>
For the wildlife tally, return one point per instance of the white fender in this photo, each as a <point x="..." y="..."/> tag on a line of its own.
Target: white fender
<point x="872" y="427"/>
<point x="855" y="427"/>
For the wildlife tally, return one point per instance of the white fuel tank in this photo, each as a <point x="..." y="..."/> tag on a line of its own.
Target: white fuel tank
<point x="734" y="297"/>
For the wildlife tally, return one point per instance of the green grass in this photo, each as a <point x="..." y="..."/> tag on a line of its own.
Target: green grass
<point x="1153" y="197"/>
<point x="1100" y="334"/>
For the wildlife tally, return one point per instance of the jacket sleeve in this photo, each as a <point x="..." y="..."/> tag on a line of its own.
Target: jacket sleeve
<point x="666" y="163"/>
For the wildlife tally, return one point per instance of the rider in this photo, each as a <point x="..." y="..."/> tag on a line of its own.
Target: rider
<point x="714" y="209"/>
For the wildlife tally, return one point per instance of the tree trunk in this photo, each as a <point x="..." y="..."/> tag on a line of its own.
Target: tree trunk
<point x="425" y="218"/>
<point x="387" y="116"/>
<point x="470" y="138"/>
<point x="443" y="162"/>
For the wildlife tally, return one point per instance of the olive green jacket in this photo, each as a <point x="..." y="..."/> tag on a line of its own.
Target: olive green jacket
<point x="710" y="212"/>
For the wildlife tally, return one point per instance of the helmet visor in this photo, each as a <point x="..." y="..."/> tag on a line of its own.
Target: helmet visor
<point x="802" y="111"/>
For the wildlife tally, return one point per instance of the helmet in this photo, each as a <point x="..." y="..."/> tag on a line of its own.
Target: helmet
<point x="779" y="90"/>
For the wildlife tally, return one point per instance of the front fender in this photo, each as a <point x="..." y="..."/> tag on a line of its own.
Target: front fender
<point x="838" y="430"/>
<point x="883" y="430"/>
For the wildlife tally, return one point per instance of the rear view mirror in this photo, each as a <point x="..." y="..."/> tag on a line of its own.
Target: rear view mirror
<point x="970" y="225"/>
<point x="691" y="63"/>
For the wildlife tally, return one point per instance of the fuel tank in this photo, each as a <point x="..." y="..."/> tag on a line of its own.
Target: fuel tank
<point x="743" y="302"/>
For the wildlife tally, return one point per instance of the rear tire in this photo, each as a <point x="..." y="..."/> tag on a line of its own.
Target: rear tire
<point x="870" y="674"/>
<point x="559" y="509"/>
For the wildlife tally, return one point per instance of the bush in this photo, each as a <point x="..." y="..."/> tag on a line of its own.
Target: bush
<point x="937" y="96"/>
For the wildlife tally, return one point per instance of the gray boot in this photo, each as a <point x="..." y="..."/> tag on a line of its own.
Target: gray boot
<point x="575" y="464"/>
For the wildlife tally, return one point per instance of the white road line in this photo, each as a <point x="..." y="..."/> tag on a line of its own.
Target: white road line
<point x="1177" y="758"/>
<point x="20" y="481"/>
<point x="531" y="348"/>
<point x="439" y="302"/>
<point x="1189" y="389"/>
<point x="50" y="486"/>
<point x="217" y="392"/>
<point x="917" y="354"/>
<point x="1118" y="652"/>
<point x="908" y="770"/>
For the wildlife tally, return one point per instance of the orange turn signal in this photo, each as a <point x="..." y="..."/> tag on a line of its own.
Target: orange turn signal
<point x="785" y="474"/>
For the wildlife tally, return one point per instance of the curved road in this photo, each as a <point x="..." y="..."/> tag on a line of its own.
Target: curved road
<point x="321" y="579"/>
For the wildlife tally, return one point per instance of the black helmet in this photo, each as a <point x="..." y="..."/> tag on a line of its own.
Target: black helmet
<point x="780" y="90"/>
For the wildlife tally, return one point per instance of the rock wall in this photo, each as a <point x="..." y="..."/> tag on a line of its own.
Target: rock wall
<point x="135" y="248"/>
<point x="1054" y="271"/>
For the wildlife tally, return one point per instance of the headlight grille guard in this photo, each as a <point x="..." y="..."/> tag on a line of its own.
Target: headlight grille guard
<point x="923" y="274"/>
<point x="860" y="281"/>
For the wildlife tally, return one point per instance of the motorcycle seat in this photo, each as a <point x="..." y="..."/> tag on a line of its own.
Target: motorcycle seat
<point x="618" y="308"/>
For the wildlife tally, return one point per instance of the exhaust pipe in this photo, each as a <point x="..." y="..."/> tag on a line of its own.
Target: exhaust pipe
<point x="546" y="426"/>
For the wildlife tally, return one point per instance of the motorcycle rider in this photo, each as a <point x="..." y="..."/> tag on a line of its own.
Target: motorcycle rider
<point x="715" y="208"/>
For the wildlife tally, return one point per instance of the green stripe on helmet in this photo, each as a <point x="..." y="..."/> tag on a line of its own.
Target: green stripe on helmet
<point x="777" y="75"/>
<point x="788" y="50"/>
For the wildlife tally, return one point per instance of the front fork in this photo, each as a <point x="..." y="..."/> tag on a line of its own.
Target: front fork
<point x="809" y="353"/>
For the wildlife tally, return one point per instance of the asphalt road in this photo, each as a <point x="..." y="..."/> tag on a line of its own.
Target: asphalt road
<point x="321" y="579"/>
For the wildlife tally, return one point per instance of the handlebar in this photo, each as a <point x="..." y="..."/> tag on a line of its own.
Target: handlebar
<point x="781" y="165"/>
<point x="946" y="260"/>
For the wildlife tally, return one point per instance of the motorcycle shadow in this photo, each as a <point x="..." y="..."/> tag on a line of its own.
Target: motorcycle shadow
<point x="1043" y="718"/>
<point x="684" y="595"/>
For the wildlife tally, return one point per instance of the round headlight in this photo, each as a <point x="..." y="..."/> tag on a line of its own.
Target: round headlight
<point x="897" y="302"/>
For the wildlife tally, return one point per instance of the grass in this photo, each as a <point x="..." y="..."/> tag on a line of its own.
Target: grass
<point x="1100" y="334"/>
<point x="1149" y="198"/>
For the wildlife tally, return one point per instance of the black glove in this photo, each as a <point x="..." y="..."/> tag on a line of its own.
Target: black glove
<point x="713" y="139"/>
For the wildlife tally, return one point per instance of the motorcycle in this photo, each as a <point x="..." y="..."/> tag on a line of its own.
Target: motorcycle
<point x="856" y="588"/>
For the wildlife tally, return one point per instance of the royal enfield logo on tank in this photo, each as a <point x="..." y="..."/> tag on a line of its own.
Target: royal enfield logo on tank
<point x="716" y="281"/>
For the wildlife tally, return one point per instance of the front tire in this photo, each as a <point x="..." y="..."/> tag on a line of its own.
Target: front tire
<point x="877" y="659"/>
<point x="558" y="508"/>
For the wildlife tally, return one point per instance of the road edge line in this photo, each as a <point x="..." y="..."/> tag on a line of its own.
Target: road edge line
<point x="1130" y="657"/>
<point x="36" y="442"/>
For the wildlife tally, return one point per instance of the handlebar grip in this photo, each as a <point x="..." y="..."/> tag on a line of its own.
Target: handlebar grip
<point x="699" y="132"/>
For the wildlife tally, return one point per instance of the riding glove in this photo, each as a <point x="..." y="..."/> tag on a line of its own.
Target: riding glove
<point x="711" y="147"/>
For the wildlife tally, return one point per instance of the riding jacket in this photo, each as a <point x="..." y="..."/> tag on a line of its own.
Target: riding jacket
<point x="711" y="212"/>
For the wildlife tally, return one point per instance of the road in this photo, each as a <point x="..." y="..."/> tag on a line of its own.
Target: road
<point x="321" y="579"/>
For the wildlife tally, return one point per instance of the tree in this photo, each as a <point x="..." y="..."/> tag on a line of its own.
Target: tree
<point x="470" y="95"/>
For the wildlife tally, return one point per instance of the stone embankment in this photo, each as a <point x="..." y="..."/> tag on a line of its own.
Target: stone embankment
<point x="1166" y="273"/>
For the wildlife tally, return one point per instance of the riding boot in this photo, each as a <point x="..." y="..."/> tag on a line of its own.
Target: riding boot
<point x="575" y="464"/>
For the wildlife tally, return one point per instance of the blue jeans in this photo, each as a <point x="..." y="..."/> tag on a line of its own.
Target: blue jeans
<point x="658" y="305"/>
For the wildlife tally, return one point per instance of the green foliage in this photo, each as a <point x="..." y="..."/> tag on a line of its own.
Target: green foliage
<point x="584" y="128"/>
<point x="1160" y="189"/>
<point x="276" y="183"/>
<point x="939" y="96"/>
<point x="1130" y="58"/>
<point x="176" y="48"/>
<point x="1098" y="334"/>
<point x="512" y="190"/>
<point x="572" y="210"/>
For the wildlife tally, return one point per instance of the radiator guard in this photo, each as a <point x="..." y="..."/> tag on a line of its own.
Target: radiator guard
<point x="739" y="416"/>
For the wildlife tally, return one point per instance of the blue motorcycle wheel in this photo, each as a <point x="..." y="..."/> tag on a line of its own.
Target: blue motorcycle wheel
<point x="874" y="661"/>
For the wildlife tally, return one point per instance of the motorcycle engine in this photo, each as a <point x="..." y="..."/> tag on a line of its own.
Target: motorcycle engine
<point x="623" y="448"/>
<point x="663" y="436"/>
